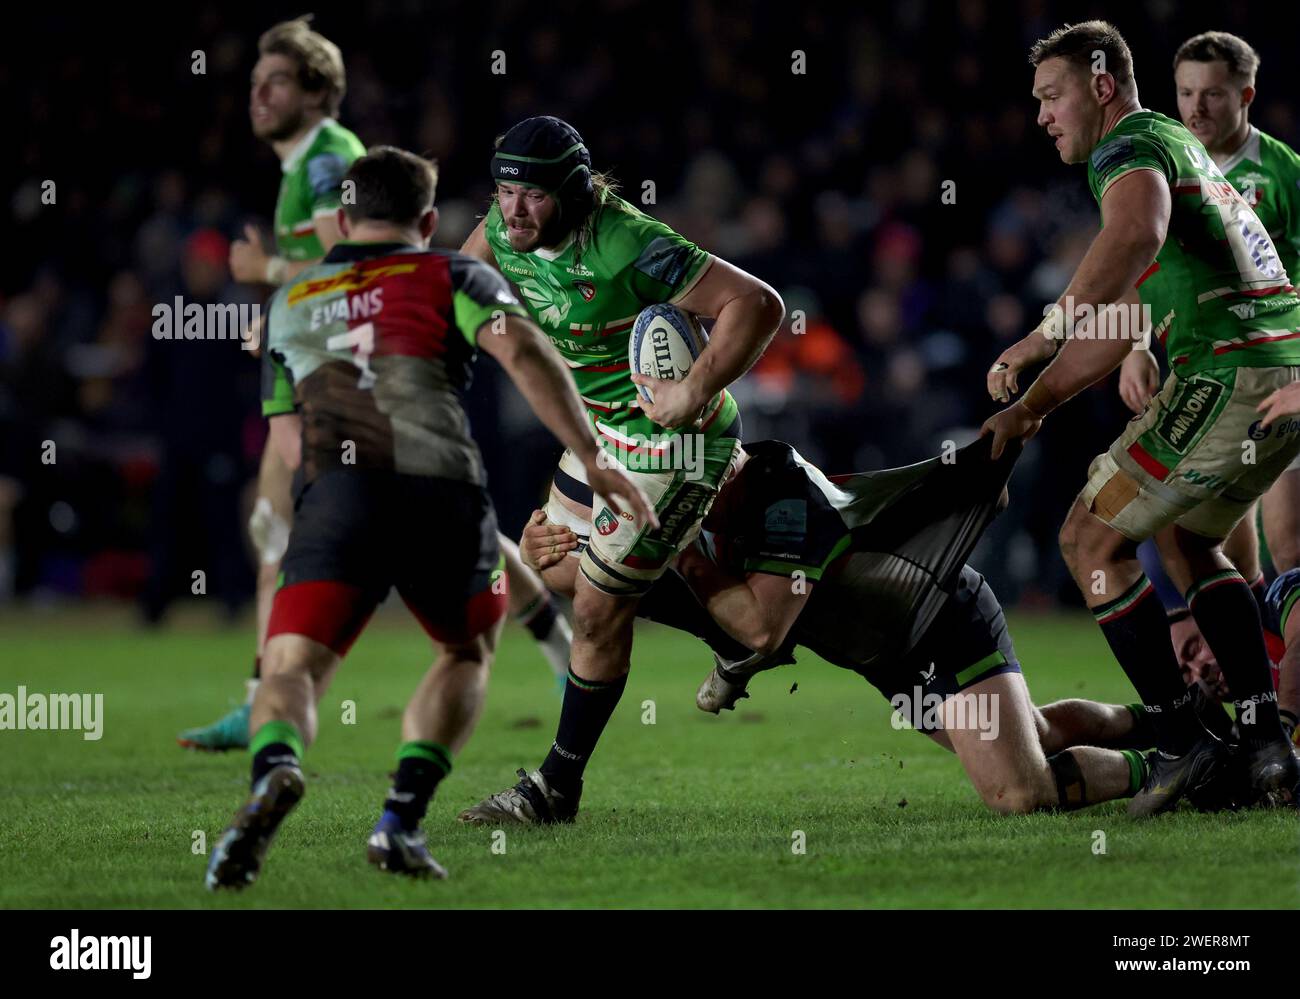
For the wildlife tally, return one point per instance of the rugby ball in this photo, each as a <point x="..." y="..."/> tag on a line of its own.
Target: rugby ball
<point x="665" y="343"/>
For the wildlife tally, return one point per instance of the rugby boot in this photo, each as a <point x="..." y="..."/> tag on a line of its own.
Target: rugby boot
<point x="230" y="731"/>
<point x="237" y="858"/>
<point x="393" y="849"/>
<point x="1169" y="778"/>
<point x="530" y="802"/>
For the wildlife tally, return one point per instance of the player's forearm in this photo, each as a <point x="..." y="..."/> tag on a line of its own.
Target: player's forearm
<point x="730" y="602"/>
<point x="1079" y="364"/>
<point x="546" y="385"/>
<point x="743" y="329"/>
<point x="286" y="438"/>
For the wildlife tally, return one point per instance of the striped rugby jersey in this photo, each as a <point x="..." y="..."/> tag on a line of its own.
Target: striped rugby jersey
<point x="373" y="346"/>
<point x="1219" y="293"/>
<point x="586" y="304"/>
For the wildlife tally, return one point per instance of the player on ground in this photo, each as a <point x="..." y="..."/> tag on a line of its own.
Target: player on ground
<point x="297" y="87"/>
<point x="867" y="571"/>
<point x="368" y="358"/>
<point x="586" y="263"/>
<point x="1176" y="231"/>
<point x="1214" y="75"/>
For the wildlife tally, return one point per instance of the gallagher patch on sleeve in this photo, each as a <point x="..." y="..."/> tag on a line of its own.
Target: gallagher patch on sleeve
<point x="665" y="260"/>
<point x="1114" y="153"/>
<point x="325" y="173"/>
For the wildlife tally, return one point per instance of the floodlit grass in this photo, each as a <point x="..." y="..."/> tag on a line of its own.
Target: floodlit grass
<point x="689" y="811"/>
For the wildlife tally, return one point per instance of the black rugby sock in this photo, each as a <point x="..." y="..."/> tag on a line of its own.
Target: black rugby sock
<point x="588" y="705"/>
<point x="1138" y="632"/>
<point x="1228" y="617"/>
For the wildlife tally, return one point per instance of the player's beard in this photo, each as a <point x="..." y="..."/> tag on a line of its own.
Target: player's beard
<point x="552" y="234"/>
<point x="285" y="128"/>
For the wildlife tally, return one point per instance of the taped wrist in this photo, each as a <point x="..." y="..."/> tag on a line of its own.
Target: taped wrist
<point x="277" y="270"/>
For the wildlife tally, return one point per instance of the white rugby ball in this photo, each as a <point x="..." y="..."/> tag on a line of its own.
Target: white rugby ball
<point x="665" y="343"/>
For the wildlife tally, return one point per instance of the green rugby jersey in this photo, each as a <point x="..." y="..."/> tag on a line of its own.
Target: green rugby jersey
<point x="373" y="346"/>
<point x="587" y="306"/>
<point x="1218" y="291"/>
<point x="310" y="187"/>
<point x="1267" y="173"/>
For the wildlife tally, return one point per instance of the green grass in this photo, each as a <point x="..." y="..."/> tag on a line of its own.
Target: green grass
<point x="690" y="811"/>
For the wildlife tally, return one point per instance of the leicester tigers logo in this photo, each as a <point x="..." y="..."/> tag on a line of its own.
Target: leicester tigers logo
<point x="606" y="524"/>
<point x="586" y="289"/>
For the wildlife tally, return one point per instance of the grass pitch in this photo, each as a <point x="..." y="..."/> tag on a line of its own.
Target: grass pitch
<point x="689" y="811"/>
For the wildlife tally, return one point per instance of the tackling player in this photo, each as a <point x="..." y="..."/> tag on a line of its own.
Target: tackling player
<point x="867" y="571"/>
<point x="1214" y="75"/>
<point x="1176" y="231"/>
<point x="586" y="263"/>
<point x="373" y="348"/>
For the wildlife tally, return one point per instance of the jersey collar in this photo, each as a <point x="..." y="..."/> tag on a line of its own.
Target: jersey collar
<point x="290" y="162"/>
<point x="346" y="251"/>
<point x="553" y="254"/>
<point x="1248" y="150"/>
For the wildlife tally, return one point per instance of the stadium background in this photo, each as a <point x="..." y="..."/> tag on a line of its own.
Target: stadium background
<point x="826" y="184"/>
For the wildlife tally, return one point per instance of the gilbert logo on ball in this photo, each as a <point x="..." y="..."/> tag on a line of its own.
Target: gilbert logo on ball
<point x="665" y="344"/>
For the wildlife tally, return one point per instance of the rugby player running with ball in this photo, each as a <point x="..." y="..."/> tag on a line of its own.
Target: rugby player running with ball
<point x="586" y="262"/>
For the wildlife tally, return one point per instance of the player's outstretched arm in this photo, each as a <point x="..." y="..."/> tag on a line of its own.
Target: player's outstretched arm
<point x="1135" y="214"/>
<point x="286" y="438"/>
<point x="476" y="245"/>
<point x="747" y="314"/>
<point x="757" y="611"/>
<point x="543" y="380"/>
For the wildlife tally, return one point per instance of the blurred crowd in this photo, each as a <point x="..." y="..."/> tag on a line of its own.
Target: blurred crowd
<point x="891" y="184"/>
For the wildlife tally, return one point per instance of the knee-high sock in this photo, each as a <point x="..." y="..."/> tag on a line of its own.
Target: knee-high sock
<point x="588" y="705"/>
<point x="1226" y="612"/>
<point x="1136" y="628"/>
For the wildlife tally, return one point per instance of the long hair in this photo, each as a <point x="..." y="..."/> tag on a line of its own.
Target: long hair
<point x="604" y="197"/>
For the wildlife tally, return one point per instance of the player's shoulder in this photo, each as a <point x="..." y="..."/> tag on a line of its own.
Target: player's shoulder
<point x="336" y="138"/>
<point x="770" y="456"/>
<point x="1278" y="157"/>
<point x="1139" y="138"/>
<point x="775" y="471"/>
<point x="623" y="233"/>
<point x="480" y="280"/>
<point x="328" y="157"/>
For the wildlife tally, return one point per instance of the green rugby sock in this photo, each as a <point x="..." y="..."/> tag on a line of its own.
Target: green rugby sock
<point x="274" y="744"/>
<point x="1137" y="770"/>
<point x="420" y="767"/>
